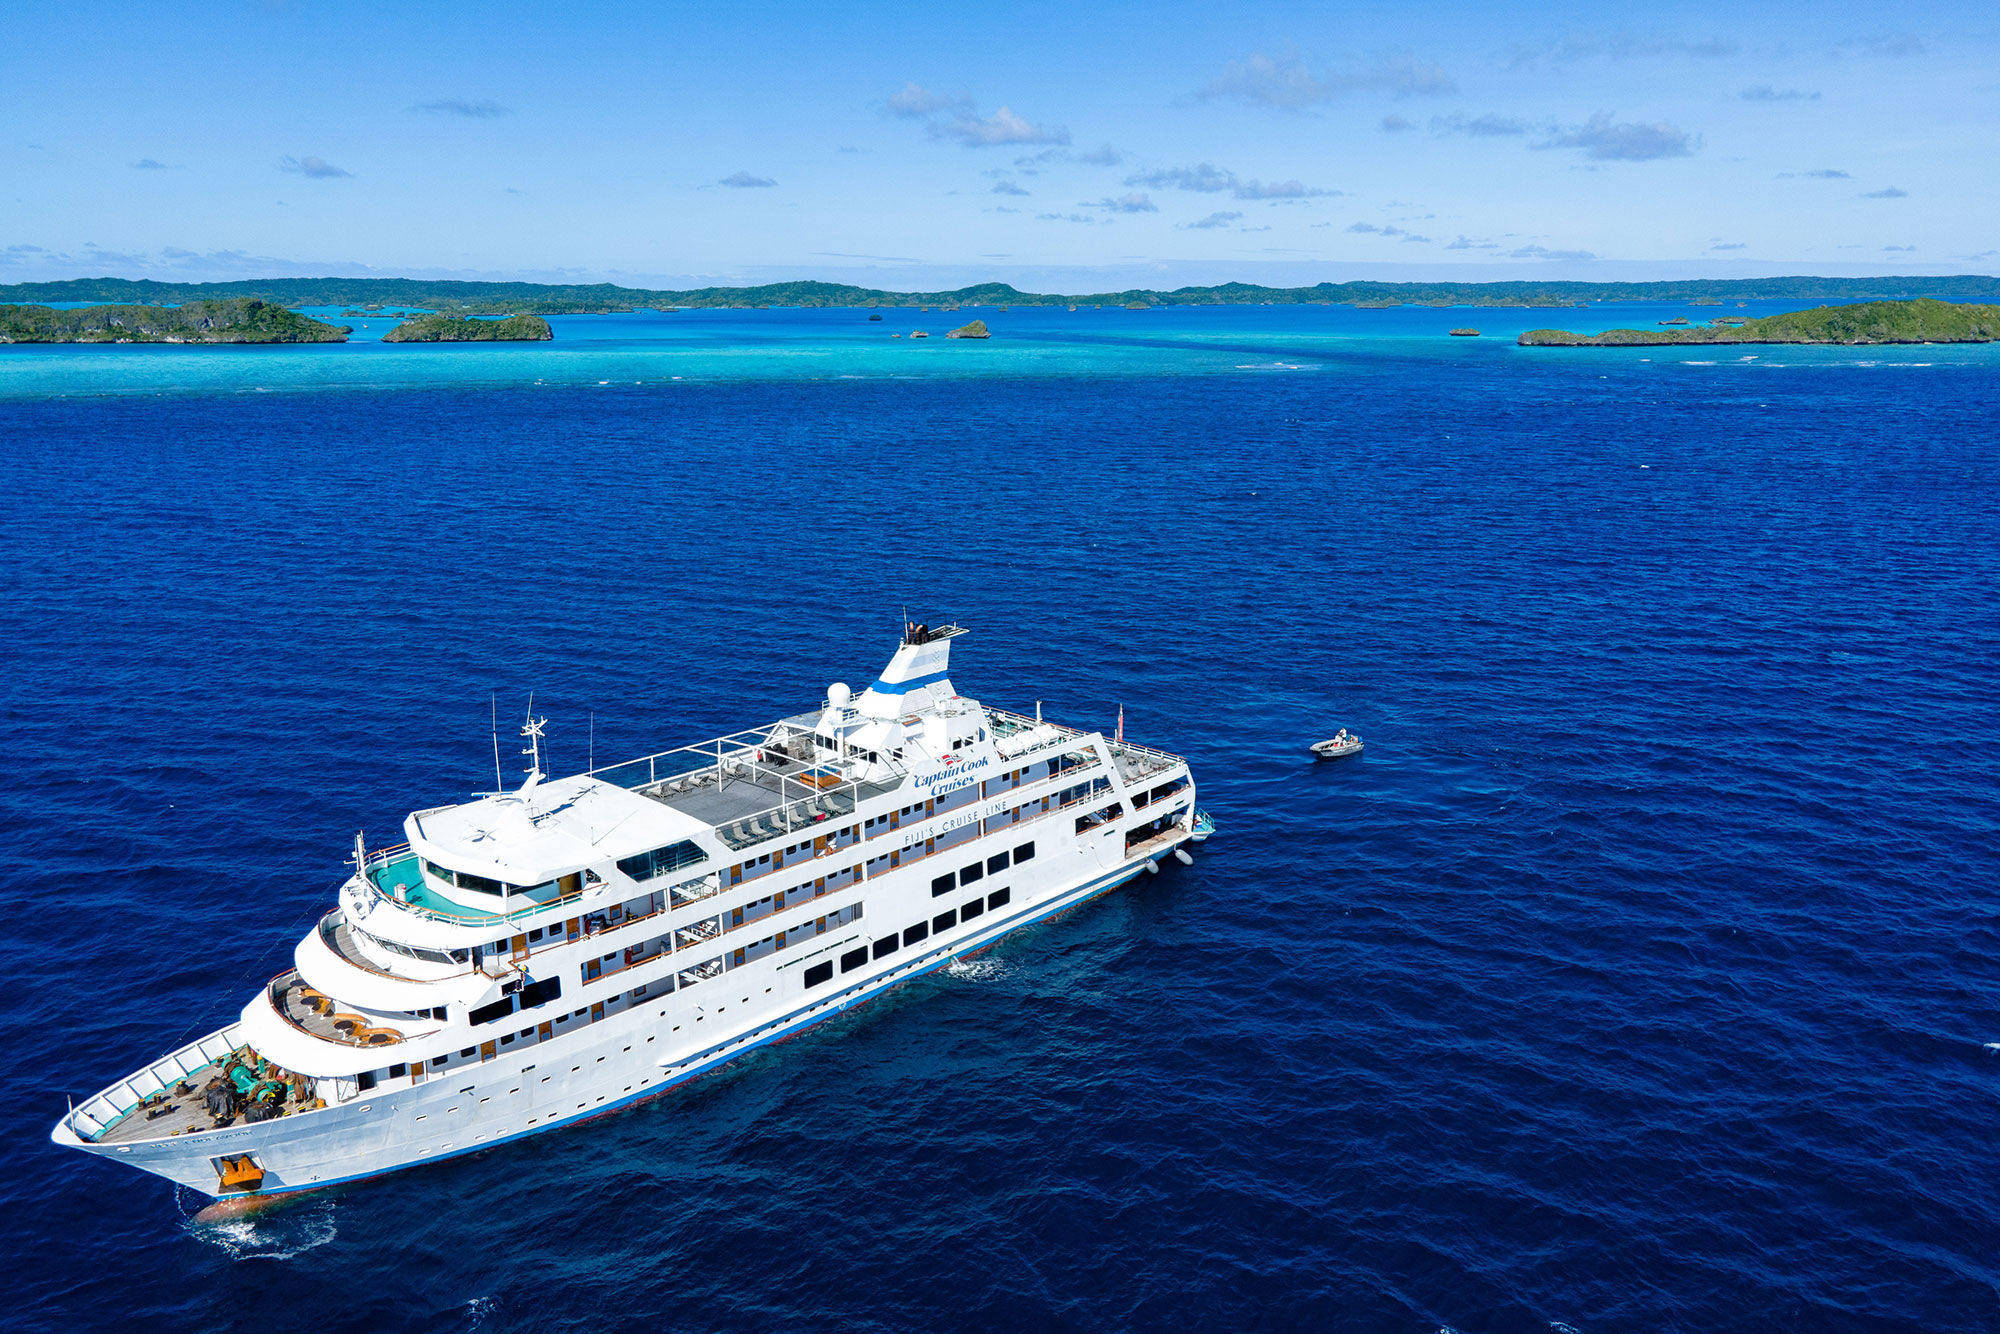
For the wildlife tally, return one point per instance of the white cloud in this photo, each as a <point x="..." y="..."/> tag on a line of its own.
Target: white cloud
<point x="1007" y="188"/>
<point x="1764" y="92"/>
<point x="1480" y="127"/>
<point x="743" y="180"/>
<point x="914" y="102"/>
<point x="1538" y="252"/>
<point x="484" y="109"/>
<point x="1132" y="203"/>
<point x="1284" y="82"/>
<point x="1887" y="192"/>
<point x="1214" y="220"/>
<point x="316" y="167"/>
<point x="1002" y="127"/>
<point x="1624" y="141"/>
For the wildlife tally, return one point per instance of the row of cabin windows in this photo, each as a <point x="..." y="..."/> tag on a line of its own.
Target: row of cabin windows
<point x="995" y="864"/>
<point x="646" y="865"/>
<point x="889" y="944"/>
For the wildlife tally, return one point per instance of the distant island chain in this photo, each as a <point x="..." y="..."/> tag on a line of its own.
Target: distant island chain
<point x="367" y="296"/>
<point x="254" y="320"/>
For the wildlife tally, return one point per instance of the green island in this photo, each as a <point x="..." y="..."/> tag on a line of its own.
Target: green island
<point x="232" y="320"/>
<point x="976" y="329"/>
<point x="455" y="329"/>
<point x="502" y="298"/>
<point x="1919" y="321"/>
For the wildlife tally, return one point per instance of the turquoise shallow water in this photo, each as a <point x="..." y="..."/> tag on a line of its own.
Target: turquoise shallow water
<point x="788" y="345"/>
<point x="1637" y="976"/>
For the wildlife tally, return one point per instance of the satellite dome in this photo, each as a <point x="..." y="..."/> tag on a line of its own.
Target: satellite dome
<point x="838" y="695"/>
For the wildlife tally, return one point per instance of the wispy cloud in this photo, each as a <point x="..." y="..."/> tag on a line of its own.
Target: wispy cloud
<point x="1285" y="82"/>
<point x="914" y="102"/>
<point x="1729" y="245"/>
<point x="1369" y="228"/>
<point x="1214" y="220"/>
<point x="1065" y="217"/>
<point x="1820" y="174"/>
<point x="1104" y="155"/>
<point x="1207" y="178"/>
<point x="1002" y="127"/>
<point x="1886" y="192"/>
<point x="1132" y="203"/>
<point x="1883" y="46"/>
<point x="1539" y="252"/>
<point x="1895" y="248"/>
<point x="1204" y="177"/>
<point x="1007" y="188"/>
<point x="954" y="117"/>
<point x="1576" y="46"/>
<point x="148" y="164"/>
<point x="483" y="109"/>
<point x="1397" y="124"/>
<point x="743" y="180"/>
<point x="1463" y="242"/>
<point x="316" y="167"/>
<point x="1624" y="141"/>
<point x="1488" y="126"/>
<point x="1764" y="92"/>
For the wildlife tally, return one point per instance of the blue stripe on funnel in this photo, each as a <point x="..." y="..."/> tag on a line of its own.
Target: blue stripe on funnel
<point x="882" y="687"/>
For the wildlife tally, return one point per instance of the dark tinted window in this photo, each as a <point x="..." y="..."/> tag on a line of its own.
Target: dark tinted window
<point x="486" y="1014"/>
<point x="542" y="992"/>
<point x="661" y="860"/>
<point x="998" y="897"/>
<point x="944" y="921"/>
<point x="997" y="862"/>
<point x="819" y="973"/>
<point x="398" y="1071"/>
<point x="911" y="935"/>
<point x="1024" y="853"/>
<point x="972" y="909"/>
<point x="944" y="884"/>
<point x="971" y="873"/>
<point x="886" y="945"/>
<point x="365" y="1081"/>
<point x="853" y="959"/>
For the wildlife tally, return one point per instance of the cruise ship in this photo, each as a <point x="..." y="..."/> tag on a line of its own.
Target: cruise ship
<point x="540" y="956"/>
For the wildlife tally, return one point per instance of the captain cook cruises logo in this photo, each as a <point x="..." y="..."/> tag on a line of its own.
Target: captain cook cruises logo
<point x="955" y="775"/>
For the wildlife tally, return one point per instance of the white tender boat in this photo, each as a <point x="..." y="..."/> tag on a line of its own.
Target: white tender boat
<point x="1338" y="746"/>
<point x="537" y="957"/>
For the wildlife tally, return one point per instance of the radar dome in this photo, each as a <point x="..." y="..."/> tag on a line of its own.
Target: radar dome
<point x="838" y="695"/>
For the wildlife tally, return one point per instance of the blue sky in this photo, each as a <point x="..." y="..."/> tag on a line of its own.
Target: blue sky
<point x="1054" y="146"/>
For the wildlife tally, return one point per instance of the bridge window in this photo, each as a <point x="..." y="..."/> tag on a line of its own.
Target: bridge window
<point x="646" y="865"/>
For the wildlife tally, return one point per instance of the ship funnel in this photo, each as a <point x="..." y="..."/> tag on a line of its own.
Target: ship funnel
<point x="917" y="678"/>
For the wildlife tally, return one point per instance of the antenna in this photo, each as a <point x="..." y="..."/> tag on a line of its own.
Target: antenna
<point x="532" y="730"/>
<point x="494" y="704"/>
<point x="593" y="742"/>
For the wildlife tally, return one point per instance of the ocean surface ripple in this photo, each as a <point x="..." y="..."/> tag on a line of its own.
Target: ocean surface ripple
<point x="1637" y="976"/>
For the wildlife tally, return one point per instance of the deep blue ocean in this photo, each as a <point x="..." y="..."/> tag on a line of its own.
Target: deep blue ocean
<point x="1637" y="977"/>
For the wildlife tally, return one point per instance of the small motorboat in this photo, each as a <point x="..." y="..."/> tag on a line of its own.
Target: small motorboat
<point x="1204" y="825"/>
<point x="1338" y="746"/>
